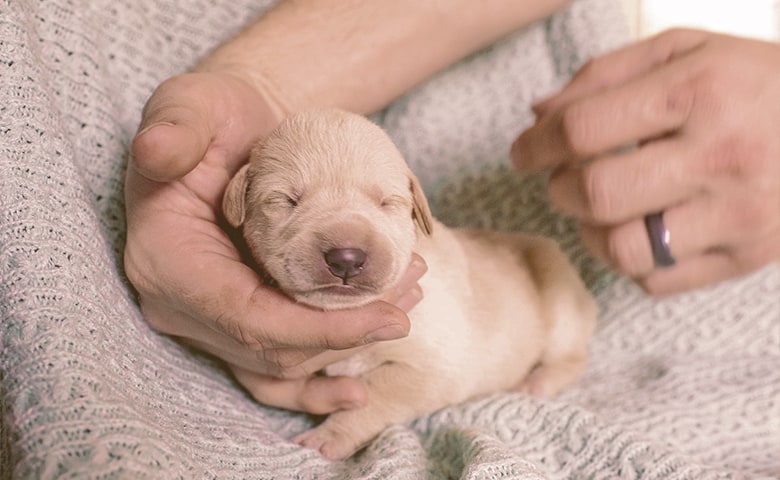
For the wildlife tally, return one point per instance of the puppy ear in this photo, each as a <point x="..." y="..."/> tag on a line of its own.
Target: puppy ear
<point x="234" y="199"/>
<point x="421" y="212"/>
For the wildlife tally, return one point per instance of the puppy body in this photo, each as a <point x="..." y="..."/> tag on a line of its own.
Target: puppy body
<point x="480" y="314"/>
<point x="501" y="311"/>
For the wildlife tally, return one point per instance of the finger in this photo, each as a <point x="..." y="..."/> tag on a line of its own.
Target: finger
<point x="407" y="293"/>
<point x="704" y="224"/>
<point x="191" y="114"/>
<point x="644" y="108"/>
<point x="315" y="363"/>
<point x="316" y="394"/>
<point x="220" y="305"/>
<point x="263" y="318"/>
<point x="282" y="322"/>
<point x="288" y="363"/>
<point x="257" y="356"/>
<point x="409" y="299"/>
<point x="234" y="302"/>
<point x="175" y="130"/>
<point x="697" y="272"/>
<point x="622" y="65"/>
<point x="284" y="363"/>
<point x="615" y="188"/>
<point x="297" y="362"/>
<point x="167" y="151"/>
<point x="712" y="267"/>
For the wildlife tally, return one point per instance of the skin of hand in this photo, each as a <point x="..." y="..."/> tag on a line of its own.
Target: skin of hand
<point x="197" y="130"/>
<point x="685" y="122"/>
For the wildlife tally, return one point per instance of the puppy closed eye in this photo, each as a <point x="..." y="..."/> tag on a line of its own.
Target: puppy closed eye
<point x="281" y="200"/>
<point x="392" y="202"/>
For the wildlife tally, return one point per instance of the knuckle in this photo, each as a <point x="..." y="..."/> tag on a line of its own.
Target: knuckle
<point x="668" y="43"/>
<point x="153" y="318"/>
<point x="576" y="130"/>
<point x="677" y="103"/>
<point x="624" y="252"/>
<point x="287" y="363"/>
<point x="707" y="91"/>
<point x="231" y="320"/>
<point x="230" y="324"/>
<point x="596" y="192"/>
<point x="734" y="156"/>
<point x="252" y="341"/>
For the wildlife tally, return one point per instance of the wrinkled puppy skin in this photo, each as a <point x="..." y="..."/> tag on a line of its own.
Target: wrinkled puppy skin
<point x="331" y="211"/>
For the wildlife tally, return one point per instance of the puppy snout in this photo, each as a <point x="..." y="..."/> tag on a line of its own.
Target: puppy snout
<point x="345" y="263"/>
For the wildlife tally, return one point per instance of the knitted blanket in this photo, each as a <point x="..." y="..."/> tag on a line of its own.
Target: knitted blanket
<point x="686" y="387"/>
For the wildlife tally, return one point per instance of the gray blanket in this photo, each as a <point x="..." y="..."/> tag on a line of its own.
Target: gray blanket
<point x="681" y="388"/>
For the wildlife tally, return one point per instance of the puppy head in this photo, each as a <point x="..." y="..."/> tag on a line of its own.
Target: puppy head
<point x="329" y="208"/>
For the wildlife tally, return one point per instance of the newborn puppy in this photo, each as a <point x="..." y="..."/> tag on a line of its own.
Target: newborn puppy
<point x="332" y="212"/>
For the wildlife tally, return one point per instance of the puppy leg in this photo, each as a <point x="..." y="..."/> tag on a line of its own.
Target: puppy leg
<point x="553" y="374"/>
<point x="396" y="394"/>
<point x="570" y="314"/>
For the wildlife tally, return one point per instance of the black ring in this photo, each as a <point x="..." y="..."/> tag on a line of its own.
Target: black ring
<point x="659" y="239"/>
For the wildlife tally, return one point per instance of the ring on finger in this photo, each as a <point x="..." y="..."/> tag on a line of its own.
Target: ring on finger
<point x="659" y="240"/>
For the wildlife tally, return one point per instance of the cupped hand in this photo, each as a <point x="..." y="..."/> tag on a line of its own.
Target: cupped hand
<point x="197" y="130"/>
<point x="685" y="123"/>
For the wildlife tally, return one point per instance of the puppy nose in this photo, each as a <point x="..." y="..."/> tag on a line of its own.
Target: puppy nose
<point x="345" y="262"/>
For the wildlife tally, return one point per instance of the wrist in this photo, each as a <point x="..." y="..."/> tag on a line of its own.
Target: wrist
<point x="252" y="81"/>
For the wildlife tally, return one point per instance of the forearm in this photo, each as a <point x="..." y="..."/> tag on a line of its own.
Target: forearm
<point x="361" y="54"/>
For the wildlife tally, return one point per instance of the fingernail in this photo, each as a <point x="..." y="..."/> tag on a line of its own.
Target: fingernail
<point x="418" y="265"/>
<point x="409" y="299"/>
<point x="149" y="127"/>
<point x="351" y="404"/>
<point x="383" y="334"/>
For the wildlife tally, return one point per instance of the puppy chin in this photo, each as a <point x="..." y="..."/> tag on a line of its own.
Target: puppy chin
<point x="336" y="298"/>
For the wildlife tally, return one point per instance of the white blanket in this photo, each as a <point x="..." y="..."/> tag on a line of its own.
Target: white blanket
<point x="686" y="387"/>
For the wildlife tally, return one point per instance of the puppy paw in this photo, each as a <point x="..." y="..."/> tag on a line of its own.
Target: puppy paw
<point x="537" y="386"/>
<point x="547" y="380"/>
<point x="330" y="444"/>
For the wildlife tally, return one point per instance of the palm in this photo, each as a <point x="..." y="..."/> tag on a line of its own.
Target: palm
<point x="175" y="242"/>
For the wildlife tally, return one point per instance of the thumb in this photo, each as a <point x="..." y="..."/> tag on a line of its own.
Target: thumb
<point x="175" y="131"/>
<point x="193" y="114"/>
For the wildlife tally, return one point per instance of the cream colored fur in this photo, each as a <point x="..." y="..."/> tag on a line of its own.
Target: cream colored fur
<point x="501" y="311"/>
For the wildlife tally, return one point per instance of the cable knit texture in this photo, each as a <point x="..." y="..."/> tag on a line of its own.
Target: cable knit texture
<point x="681" y="388"/>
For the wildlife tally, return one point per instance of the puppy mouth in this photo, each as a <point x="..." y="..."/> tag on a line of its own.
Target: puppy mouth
<point x="346" y="289"/>
<point x="337" y="296"/>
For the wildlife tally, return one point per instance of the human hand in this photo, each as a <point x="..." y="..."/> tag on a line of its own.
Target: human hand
<point x="197" y="130"/>
<point x="702" y="111"/>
